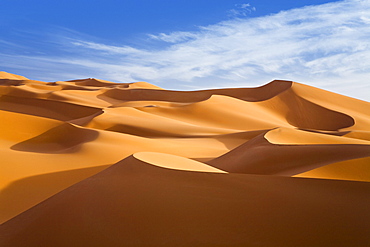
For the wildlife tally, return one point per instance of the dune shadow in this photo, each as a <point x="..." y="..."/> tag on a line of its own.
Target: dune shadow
<point x="62" y="111"/>
<point x="247" y="94"/>
<point x="141" y="94"/>
<point x="27" y="192"/>
<point x="64" y="138"/>
<point x="304" y="114"/>
<point x="259" y="156"/>
<point x="243" y="136"/>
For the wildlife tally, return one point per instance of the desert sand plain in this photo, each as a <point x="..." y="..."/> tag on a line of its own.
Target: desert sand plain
<point x="90" y="162"/>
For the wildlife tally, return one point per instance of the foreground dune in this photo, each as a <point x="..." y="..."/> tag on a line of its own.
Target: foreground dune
<point x="90" y="162"/>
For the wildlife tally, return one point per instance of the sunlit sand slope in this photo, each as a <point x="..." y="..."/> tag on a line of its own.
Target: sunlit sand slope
<point x="90" y="162"/>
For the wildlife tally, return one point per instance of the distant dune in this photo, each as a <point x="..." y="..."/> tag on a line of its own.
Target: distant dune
<point x="90" y="162"/>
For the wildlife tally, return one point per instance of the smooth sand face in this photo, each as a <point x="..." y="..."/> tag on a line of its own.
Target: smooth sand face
<point x="297" y="137"/>
<point x="175" y="162"/>
<point x="6" y="75"/>
<point x="354" y="169"/>
<point x="90" y="162"/>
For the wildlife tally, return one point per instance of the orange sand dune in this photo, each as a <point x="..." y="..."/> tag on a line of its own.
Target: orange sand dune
<point x="354" y="169"/>
<point x="138" y="203"/>
<point x="249" y="94"/>
<point x="259" y="156"/>
<point x="6" y="75"/>
<point x="90" y="162"/>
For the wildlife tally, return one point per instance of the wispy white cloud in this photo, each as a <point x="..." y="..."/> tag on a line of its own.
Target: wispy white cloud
<point x="325" y="46"/>
<point x="174" y="37"/>
<point x="241" y="10"/>
<point x="123" y="50"/>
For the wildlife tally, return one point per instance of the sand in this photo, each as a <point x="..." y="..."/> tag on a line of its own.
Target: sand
<point x="90" y="162"/>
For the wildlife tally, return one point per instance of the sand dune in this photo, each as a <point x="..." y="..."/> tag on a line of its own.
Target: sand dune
<point x="259" y="156"/>
<point x="174" y="162"/>
<point x="353" y="169"/>
<point x="90" y="162"/>
<point x="135" y="203"/>
<point x="6" y="75"/>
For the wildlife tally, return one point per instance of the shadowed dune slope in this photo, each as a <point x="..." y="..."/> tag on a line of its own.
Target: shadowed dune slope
<point x="30" y="191"/>
<point x="63" y="138"/>
<point x="134" y="203"/>
<point x="46" y="108"/>
<point x="259" y="156"/>
<point x="90" y="162"/>
<point x="249" y="94"/>
<point x="357" y="109"/>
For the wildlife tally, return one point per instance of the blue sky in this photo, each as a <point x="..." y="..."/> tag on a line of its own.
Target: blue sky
<point x="188" y="45"/>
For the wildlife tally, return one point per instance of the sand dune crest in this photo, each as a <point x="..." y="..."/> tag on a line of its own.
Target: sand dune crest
<point x="6" y="75"/>
<point x="174" y="162"/>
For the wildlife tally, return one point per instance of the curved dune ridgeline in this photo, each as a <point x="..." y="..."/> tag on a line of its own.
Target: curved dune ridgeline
<point x="90" y="162"/>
